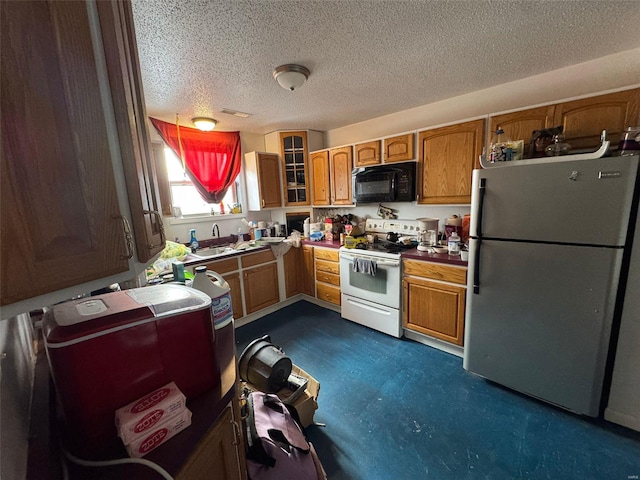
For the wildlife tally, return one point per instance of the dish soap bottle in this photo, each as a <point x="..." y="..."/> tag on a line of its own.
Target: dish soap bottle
<point x="501" y="148"/>
<point x="454" y="244"/>
<point x="193" y="242"/>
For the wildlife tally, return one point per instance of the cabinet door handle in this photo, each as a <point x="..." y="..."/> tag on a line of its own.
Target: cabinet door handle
<point x="163" y="239"/>
<point x="127" y="236"/>
<point x="262" y="202"/>
<point x="236" y="433"/>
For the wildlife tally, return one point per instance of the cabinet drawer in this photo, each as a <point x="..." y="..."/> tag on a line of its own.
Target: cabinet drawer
<point x="327" y="254"/>
<point x="328" y="293"/>
<point x="436" y="271"/>
<point x="326" y="277"/>
<point x="329" y="267"/>
<point x="257" y="258"/>
<point x="223" y="266"/>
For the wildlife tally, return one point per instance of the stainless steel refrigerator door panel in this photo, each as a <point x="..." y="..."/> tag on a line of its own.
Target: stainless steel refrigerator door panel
<point x="584" y="202"/>
<point x="541" y="321"/>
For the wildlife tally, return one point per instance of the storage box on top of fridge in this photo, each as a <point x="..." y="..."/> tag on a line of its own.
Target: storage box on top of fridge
<point x="106" y="351"/>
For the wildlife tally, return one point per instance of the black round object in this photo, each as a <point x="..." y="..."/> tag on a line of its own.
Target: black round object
<point x="264" y="365"/>
<point x="392" y="237"/>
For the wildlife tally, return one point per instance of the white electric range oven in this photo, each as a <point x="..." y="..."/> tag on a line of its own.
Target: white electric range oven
<point x="371" y="280"/>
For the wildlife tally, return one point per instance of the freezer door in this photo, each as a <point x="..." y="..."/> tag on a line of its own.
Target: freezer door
<point x="541" y="320"/>
<point x="585" y="201"/>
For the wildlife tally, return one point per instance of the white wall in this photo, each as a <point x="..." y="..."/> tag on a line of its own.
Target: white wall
<point x="613" y="72"/>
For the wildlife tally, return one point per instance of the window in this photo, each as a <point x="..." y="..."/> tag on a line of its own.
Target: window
<point x="184" y="194"/>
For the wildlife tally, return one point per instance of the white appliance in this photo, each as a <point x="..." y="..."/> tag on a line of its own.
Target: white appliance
<point x="623" y="406"/>
<point x="374" y="300"/>
<point x="547" y="244"/>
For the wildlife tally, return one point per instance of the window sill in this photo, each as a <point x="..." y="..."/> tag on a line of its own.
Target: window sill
<point x="203" y="218"/>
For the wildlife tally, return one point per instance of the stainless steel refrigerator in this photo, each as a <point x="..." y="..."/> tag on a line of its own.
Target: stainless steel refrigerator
<point x="548" y="242"/>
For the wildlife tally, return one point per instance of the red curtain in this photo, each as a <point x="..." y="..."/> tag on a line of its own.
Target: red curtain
<point x="212" y="159"/>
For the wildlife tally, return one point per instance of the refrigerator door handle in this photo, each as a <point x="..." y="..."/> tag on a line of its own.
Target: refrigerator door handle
<point x="481" y="191"/>
<point x="476" y="267"/>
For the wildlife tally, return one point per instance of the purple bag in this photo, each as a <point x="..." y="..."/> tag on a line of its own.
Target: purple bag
<point x="277" y="447"/>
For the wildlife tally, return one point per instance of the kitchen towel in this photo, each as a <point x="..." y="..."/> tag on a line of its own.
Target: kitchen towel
<point x="363" y="265"/>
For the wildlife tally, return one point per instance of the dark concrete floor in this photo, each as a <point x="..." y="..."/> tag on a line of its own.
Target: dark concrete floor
<point x="397" y="409"/>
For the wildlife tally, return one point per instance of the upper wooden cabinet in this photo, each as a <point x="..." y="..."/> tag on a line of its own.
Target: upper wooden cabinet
<point x="321" y="191"/>
<point x="64" y="213"/>
<point x="520" y="125"/>
<point x="294" y="164"/>
<point x="262" y="173"/>
<point x="331" y="171"/>
<point x="123" y="68"/>
<point x="341" y="164"/>
<point x="582" y="120"/>
<point x="446" y="158"/>
<point x="367" y="153"/>
<point x="294" y="150"/>
<point x="399" y="148"/>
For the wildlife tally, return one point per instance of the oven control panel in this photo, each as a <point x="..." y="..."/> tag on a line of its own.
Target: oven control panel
<point x="401" y="227"/>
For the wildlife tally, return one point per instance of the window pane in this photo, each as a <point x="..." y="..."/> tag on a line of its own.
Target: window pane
<point x="174" y="166"/>
<point x="185" y="195"/>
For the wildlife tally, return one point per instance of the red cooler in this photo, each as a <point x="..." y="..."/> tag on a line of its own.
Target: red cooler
<point x="106" y="351"/>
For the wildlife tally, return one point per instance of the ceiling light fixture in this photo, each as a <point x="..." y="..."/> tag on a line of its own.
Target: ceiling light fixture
<point x="205" y="124"/>
<point x="290" y="76"/>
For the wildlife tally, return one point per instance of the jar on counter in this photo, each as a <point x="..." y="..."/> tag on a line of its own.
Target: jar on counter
<point x="454" y="244"/>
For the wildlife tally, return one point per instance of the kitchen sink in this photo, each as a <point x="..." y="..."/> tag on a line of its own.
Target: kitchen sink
<point x="213" y="252"/>
<point x="210" y="252"/>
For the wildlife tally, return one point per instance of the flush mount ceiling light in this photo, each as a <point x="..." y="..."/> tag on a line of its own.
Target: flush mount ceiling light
<point x="205" y="124"/>
<point x="291" y="77"/>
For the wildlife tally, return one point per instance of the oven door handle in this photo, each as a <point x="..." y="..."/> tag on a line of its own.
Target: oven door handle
<point x="379" y="261"/>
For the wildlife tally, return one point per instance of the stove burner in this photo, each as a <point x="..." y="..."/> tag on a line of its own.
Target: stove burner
<point x="389" y="247"/>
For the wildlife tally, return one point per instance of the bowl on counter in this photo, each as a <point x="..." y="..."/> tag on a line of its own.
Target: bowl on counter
<point x="440" y="249"/>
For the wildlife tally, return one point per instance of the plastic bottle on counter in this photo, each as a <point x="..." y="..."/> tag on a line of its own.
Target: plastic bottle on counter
<point x="219" y="291"/>
<point x="193" y="242"/>
<point x="454" y="244"/>
<point x="501" y="148"/>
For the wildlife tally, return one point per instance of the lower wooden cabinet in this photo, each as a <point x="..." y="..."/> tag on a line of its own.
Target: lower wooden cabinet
<point x="432" y="302"/>
<point x="261" y="287"/>
<point x="233" y="279"/>
<point x="309" y="284"/>
<point x="220" y="454"/>
<point x="252" y="278"/>
<point x="298" y="271"/>
<point x="327" y="273"/>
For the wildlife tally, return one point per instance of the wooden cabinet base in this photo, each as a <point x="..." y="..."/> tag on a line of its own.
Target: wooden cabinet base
<point x="434" y="308"/>
<point x="218" y="454"/>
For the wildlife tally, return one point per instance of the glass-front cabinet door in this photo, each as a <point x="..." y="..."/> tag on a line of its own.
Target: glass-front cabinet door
<point x="294" y="162"/>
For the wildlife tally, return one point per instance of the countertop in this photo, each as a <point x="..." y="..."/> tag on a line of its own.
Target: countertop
<point x="413" y="254"/>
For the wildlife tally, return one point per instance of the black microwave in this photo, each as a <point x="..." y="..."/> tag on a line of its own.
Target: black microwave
<point x="384" y="183"/>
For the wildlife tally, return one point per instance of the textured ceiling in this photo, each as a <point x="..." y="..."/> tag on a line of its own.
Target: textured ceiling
<point x="367" y="58"/>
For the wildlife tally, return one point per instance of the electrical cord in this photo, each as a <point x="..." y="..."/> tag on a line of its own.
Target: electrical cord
<point x="120" y="461"/>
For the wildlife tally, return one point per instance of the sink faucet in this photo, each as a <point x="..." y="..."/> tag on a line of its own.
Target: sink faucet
<point x="215" y="229"/>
